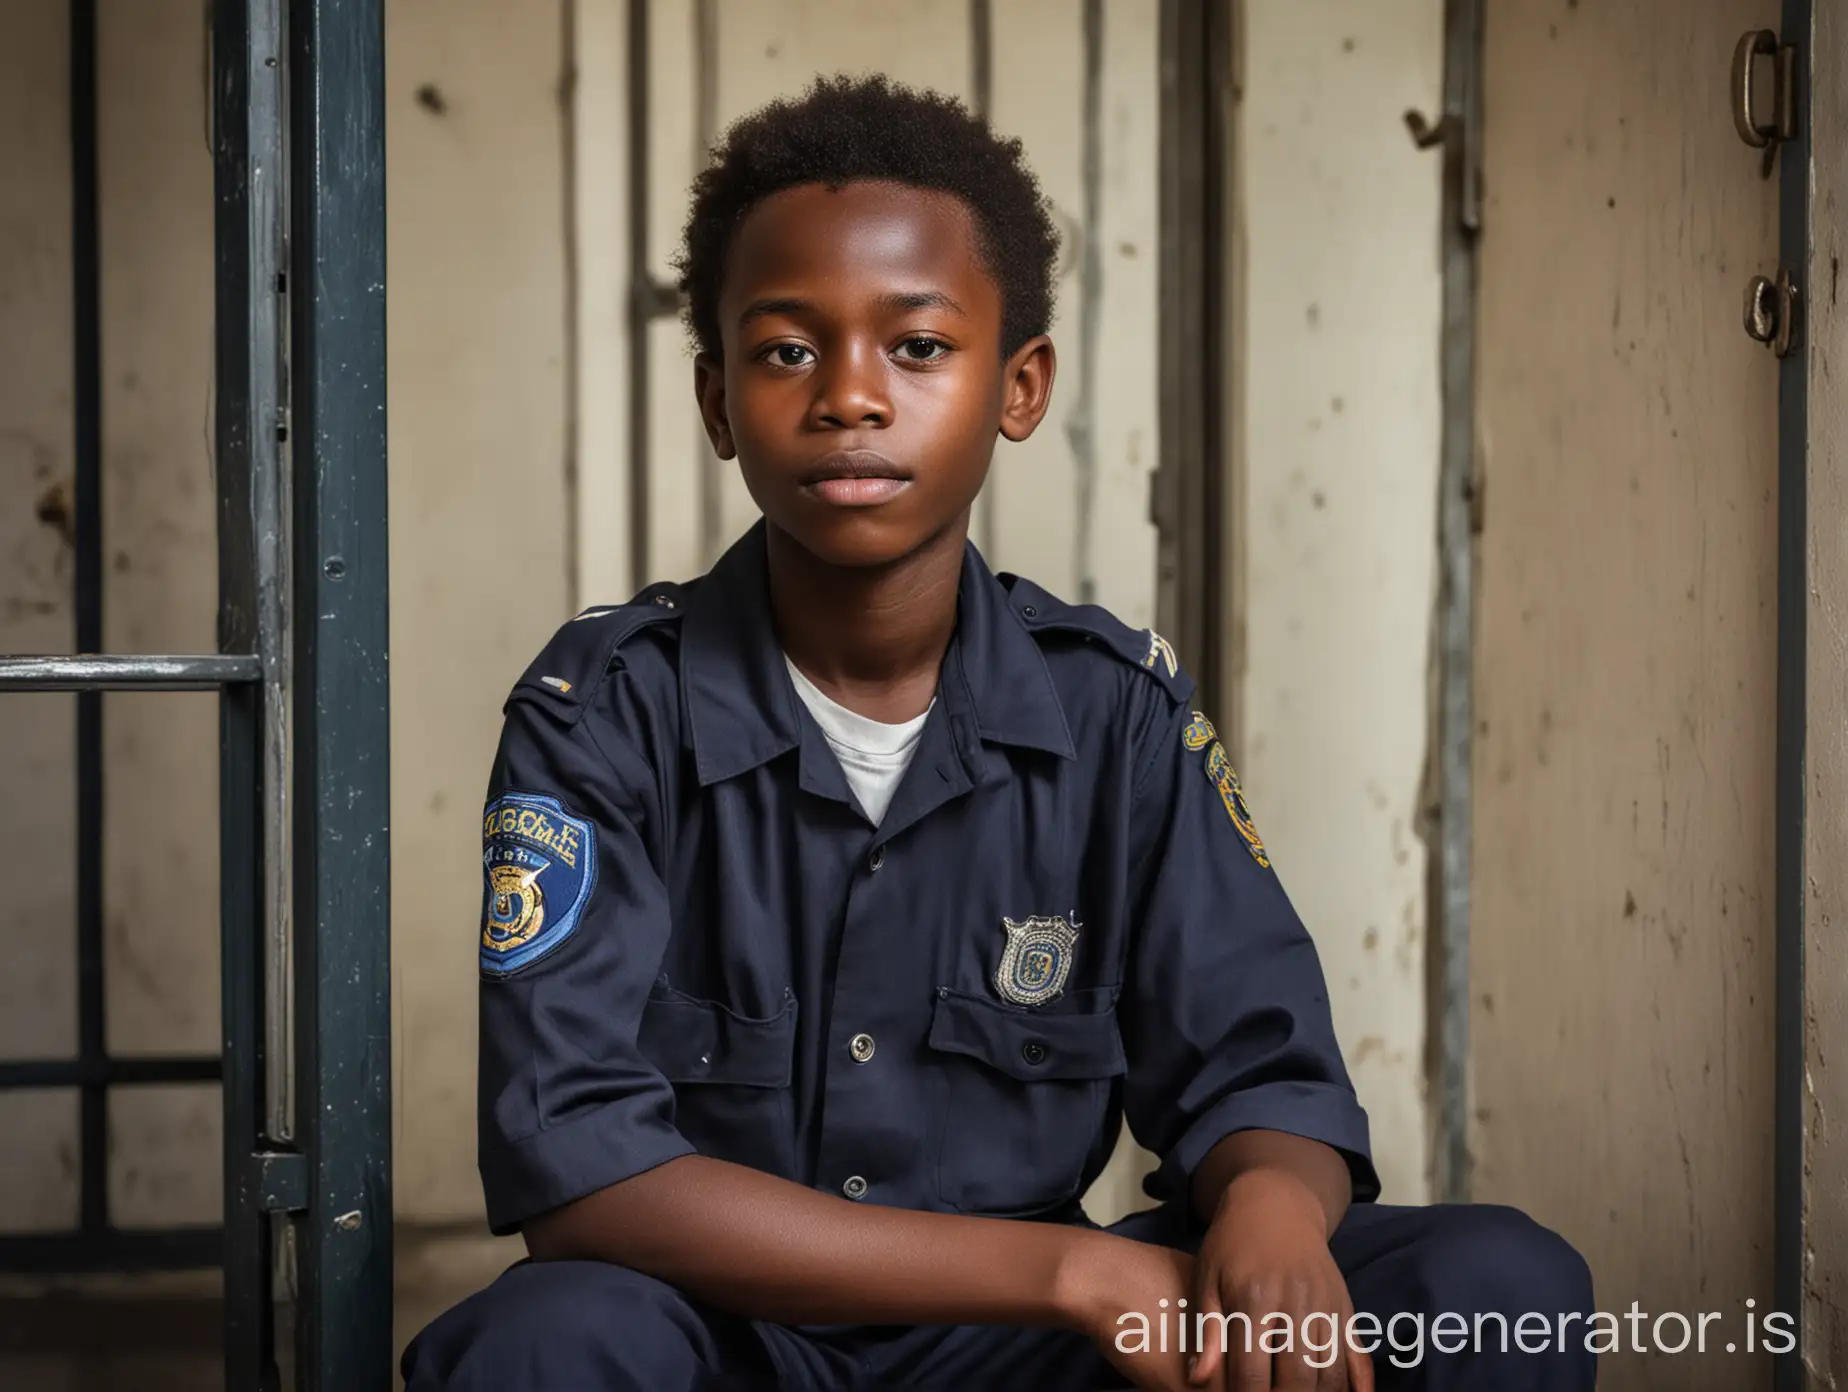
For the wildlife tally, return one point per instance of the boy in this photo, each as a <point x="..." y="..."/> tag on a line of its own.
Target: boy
<point x="839" y="903"/>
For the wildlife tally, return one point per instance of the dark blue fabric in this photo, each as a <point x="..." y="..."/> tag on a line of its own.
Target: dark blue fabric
<point x="747" y="922"/>
<point x="585" y="1327"/>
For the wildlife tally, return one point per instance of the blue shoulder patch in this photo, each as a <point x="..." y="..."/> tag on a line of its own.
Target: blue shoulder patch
<point x="1143" y="648"/>
<point x="538" y="866"/>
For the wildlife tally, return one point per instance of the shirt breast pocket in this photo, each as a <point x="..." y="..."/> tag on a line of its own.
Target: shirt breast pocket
<point x="1027" y="1094"/>
<point x="731" y="1077"/>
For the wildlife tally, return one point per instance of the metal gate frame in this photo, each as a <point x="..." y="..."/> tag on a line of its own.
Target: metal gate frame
<point x="299" y="151"/>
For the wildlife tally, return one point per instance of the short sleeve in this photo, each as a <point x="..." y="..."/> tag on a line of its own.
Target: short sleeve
<point x="1226" y="1018"/>
<point x="575" y="922"/>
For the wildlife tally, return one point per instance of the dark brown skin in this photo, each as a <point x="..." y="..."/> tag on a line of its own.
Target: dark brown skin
<point x="862" y="337"/>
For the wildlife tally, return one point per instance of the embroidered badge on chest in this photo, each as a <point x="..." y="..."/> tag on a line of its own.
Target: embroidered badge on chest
<point x="538" y="865"/>
<point x="1036" y="960"/>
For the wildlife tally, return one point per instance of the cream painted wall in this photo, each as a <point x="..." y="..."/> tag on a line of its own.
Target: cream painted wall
<point x="161" y="840"/>
<point x="481" y="566"/>
<point x="1340" y="409"/>
<point x="38" y="991"/>
<point x="1825" y="811"/>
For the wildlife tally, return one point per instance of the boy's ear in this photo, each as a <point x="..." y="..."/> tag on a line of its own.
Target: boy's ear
<point x="709" y="389"/>
<point x="1026" y="387"/>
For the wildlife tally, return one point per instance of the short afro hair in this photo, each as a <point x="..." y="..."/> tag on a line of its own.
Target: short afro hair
<point x="857" y="129"/>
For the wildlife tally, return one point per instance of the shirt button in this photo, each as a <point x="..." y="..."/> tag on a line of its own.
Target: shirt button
<point x="876" y="860"/>
<point x="854" y="1188"/>
<point x="861" y="1047"/>
<point x="1033" y="1052"/>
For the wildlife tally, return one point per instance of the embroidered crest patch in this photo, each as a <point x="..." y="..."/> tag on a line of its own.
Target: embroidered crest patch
<point x="1199" y="734"/>
<point x="1036" y="960"/>
<point x="538" y="865"/>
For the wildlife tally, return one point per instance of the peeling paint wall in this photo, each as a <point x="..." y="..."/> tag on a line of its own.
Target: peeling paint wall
<point x="38" y="991"/>
<point x="160" y="751"/>
<point x="1825" y="809"/>
<point x="1621" y="934"/>
<point x="1340" y="409"/>
<point x="481" y="565"/>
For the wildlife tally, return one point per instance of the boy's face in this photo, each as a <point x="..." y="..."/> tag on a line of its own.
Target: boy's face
<point x="862" y="385"/>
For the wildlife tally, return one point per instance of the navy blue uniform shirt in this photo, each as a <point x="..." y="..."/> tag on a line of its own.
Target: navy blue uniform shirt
<point x="694" y="941"/>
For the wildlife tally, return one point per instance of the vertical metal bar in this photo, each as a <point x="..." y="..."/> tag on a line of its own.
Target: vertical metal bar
<point x="1214" y="484"/>
<point x="1081" y="420"/>
<point x="982" y="56"/>
<point x="1191" y="485"/>
<point x="1454" y="630"/>
<point x="640" y="293"/>
<point x="342" y="726"/>
<point x="248" y="138"/>
<point x="1793" y="598"/>
<point x="86" y="283"/>
<point x="711" y="472"/>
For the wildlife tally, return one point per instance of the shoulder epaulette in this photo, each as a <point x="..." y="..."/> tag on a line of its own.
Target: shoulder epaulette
<point x="569" y="670"/>
<point x="1142" y="648"/>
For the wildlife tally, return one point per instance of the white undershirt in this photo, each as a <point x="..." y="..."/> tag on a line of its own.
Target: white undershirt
<point x="873" y="754"/>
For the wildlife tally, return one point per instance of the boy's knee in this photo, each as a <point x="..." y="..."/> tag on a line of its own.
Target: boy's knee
<point x="564" y="1324"/>
<point x="1483" y="1257"/>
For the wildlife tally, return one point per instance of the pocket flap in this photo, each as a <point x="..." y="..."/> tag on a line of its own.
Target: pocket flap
<point x="1025" y="1045"/>
<point x="695" y="1041"/>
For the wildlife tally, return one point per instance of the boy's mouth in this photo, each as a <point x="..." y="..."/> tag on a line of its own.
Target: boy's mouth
<point x="856" y="478"/>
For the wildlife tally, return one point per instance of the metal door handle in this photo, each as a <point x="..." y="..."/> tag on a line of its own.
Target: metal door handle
<point x="1771" y="309"/>
<point x="1782" y="125"/>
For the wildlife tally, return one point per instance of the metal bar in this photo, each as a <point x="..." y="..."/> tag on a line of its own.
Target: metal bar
<point x="1453" y="638"/>
<point x="1191" y="486"/>
<point x="1081" y="419"/>
<point x="342" y="871"/>
<point x="642" y="293"/>
<point x="1214" y="487"/>
<point x="107" y="1072"/>
<point x="250" y="431"/>
<point x="112" y="1250"/>
<point x="982" y="99"/>
<point x="124" y="672"/>
<point x="1790" y="1118"/>
<point x="86" y="282"/>
<point x="710" y="471"/>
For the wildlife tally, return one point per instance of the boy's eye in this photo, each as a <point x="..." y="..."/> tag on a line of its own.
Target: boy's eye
<point x="787" y="355"/>
<point x="923" y="349"/>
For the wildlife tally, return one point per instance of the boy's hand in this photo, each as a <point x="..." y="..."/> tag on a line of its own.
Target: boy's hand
<point x="1266" y="1253"/>
<point x="1108" y="1277"/>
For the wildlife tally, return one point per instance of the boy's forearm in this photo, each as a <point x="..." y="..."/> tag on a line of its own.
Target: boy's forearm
<point x="1321" y="1168"/>
<point x="769" y="1249"/>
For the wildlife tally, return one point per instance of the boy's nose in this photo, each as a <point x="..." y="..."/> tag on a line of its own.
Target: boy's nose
<point x="850" y="392"/>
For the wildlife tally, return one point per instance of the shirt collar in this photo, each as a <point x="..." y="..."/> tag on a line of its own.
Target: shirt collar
<point x="740" y="709"/>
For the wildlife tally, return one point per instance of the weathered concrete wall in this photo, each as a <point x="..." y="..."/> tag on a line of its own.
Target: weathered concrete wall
<point x="1339" y="404"/>
<point x="1622" y="932"/>
<point x="38" y="991"/>
<point x="1825" y="808"/>
<point x="479" y="533"/>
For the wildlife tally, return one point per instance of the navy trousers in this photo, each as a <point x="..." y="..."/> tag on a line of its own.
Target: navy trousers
<point x="592" y="1327"/>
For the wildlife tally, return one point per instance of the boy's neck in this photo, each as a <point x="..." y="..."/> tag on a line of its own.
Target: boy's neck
<point x="871" y="639"/>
